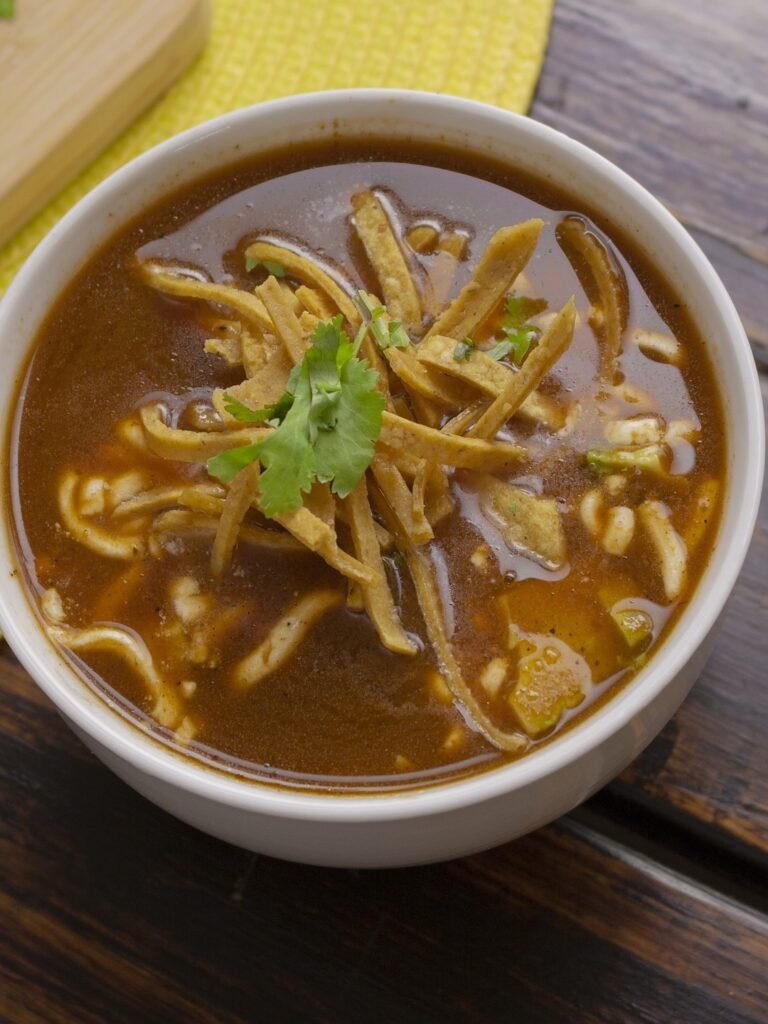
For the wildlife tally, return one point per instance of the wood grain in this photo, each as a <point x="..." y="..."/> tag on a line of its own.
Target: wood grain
<point x="113" y="911"/>
<point x="80" y="71"/>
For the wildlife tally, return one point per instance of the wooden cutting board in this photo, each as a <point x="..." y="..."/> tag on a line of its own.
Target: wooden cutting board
<point x="73" y="74"/>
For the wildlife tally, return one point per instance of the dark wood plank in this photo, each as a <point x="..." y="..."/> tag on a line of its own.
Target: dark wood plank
<point x="113" y="911"/>
<point x="675" y="93"/>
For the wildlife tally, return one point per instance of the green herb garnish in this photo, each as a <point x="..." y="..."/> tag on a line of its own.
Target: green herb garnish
<point x="463" y="350"/>
<point x="7" y="8"/>
<point x="518" y="337"/>
<point x="387" y="332"/>
<point x="271" y="266"/>
<point x="326" y="424"/>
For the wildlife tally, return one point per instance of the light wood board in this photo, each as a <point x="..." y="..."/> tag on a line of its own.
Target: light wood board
<point x="73" y="74"/>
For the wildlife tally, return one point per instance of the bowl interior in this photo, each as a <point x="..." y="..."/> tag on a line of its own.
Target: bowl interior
<point x="471" y="126"/>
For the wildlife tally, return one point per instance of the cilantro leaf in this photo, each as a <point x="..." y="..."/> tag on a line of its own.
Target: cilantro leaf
<point x="327" y="423"/>
<point x="387" y="333"/>
<point x="270" y="412"/>
<point x="463" y="350"/>
<point x="344" y="453"/>
<point x="271" y="266"/>
<point x="7" y="8"/>
<point x="500" y="350"/>
<point x="227" y="465"/>
<point x="518" y="310"/>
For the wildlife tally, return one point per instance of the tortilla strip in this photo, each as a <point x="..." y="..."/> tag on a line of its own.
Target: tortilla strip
<point x="383" y="536"/>
<point x="414" y="524"/>
<point x="608" y="282"/>
<point x="287" y="325"/>
<point x="228" y="349"/>
<point x="551" y="346"/>
<point x="445" y="449"/>
<point x="284" y="637"/>
<point x="419" y="379"/>
<point x="322" y="504"/>
<point x="428" y="594"/>
<point x="427" y="411"/>
<point x="422" y="237"/>
<point x="311" y="273"/>
<point x="174" y="282"/>
<point x="489" y="376"/>
<point x="320" y="538"/>
<point x="508" y="252"/>
<point x="315" y="302"/>
<point x="375" y="231"/>
<point x="162" y="497"/>
<point x="376" y="595"/>
<point x="177" y="521"/>
<point x="442" y="272"/>
<point x="134" y="651"/>
<point x="242" y="492"/>
<point x="86" y="532"/>
<point x="257" y="350"/>
<point x="192" y="445"/>
<point x="198" y="500"/>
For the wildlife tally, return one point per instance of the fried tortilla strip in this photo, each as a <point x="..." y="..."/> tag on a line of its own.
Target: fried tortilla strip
<point x="605" y="281"/>
<point x="315" y="302"/>
<point x="418" y="378"/>
<point x="400" y="499"/>
<point x="264" y="388"/>
<point x="320" y="538"/>
<point x="192" y="445"/>
<point x="196" y="499"/>
<point x="553" y="343"/>
<point x="182" y="521"/>
<point x="528" y="523"/>
<point x="442" y="272"/>
<point x="508" y="252"/>
<point x="286" y="323"/>
<point x="311" y="273"/>
<point x="399" y="434"/>
<point x="422" y="237"/>
<point x="377" y="596"/>
<point x="321" y="503"/>
<point x="133" y="650"/>
<point x="284" y="637"/>
<point x="372" y="225"/>
<point x="489" y="376"/>
<point x="227" y="342"/>
<point x="172" y="281"/>
<point x="428" y="593"/>
<point x="242" y="492"/>
<point x="159" y="498"/>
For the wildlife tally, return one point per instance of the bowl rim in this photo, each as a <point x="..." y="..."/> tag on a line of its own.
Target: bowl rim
<point x="150" y="756"/>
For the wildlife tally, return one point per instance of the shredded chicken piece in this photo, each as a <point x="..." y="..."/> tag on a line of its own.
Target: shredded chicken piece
<point x="284" y="637"/>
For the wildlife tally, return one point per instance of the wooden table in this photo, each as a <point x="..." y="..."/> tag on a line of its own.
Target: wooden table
<point x="647" y="904"/>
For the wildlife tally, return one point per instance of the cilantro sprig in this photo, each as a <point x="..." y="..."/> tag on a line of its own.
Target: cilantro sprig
<point x="326" y="424"/>
<point x="271" y="266"/>
<point x="388" y="333"/>
<point x="463" y="350"/>
<point x="518" y="334"/>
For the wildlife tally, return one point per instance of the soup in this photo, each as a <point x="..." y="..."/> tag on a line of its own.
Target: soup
<point x="362" y="466"/>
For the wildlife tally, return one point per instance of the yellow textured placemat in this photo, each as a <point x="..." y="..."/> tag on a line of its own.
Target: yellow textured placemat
<point x="259" y="49"/>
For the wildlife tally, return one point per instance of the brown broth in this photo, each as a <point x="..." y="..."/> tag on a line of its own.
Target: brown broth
<point x="344" y="708"/>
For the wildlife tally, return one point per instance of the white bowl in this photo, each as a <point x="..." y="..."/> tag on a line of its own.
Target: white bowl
<point x="454" y="818"/>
